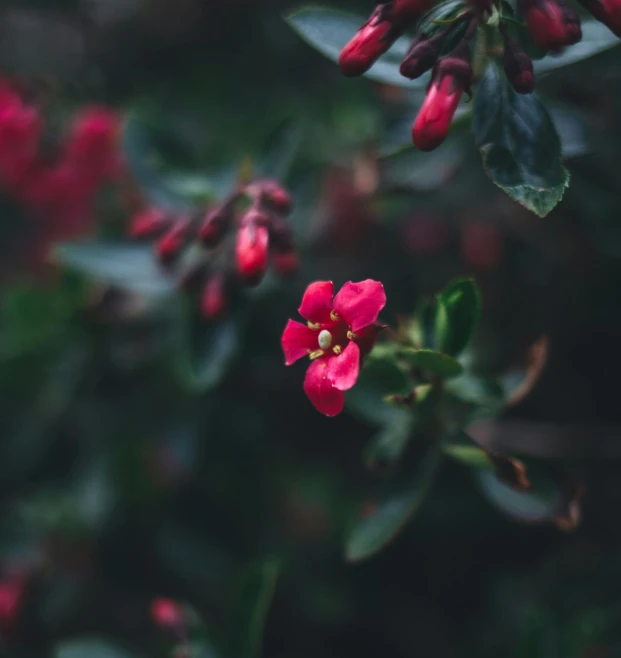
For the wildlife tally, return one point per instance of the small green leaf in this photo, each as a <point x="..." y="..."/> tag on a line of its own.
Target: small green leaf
<point x="436" y="363"/>
<point x="387" y="519"/>
<point x="130" y="267"/>
<point x="469" y="455"/>
<point x="253" y="600"/>
<point x="90" y="648"/>
<point x="328" y="30"/>
<point x="390" y="442"/>
<point x="457" y="316"/>
<point x="383" y="371"/>
<point x="519" y="144"/>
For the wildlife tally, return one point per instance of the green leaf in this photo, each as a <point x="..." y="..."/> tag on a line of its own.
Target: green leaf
<point x="519" y="144"/>
<point x="463" y="450"/>
<point x="131" y="267"/>
<point x="457" y="316"/>
<point x="596" y="38"/>
<point x="90" y="648"/>
<point x="390" y="442"/>
<point x="436" y="363"/>
<point x="383" y="371"/>
<point x="328" y="30"/>
<point x="387" y="519"/>
<point x="206" y="349"/>
<point x="250" y="610"/>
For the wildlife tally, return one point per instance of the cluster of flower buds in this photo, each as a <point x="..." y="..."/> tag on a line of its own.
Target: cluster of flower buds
<point x="240" y="238"/>
<point x="56" y="180"/>
<point x="443" y="44"/>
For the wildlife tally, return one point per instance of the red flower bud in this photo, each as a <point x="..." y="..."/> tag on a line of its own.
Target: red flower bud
<point x="551" y="23"/>
<point x="286" y="264"/>
<point x="481" y="244"/>
<point x="409" y="11"/>
<point x="373" y="39"/>
<point x="252" y="251"/>
<point x="422" y="55"/>
<point x="214" y="226"/>
<point x="518" y="67"/>
<point x="451" y="77"/>
<point x="607" y="12"/>
<point x="275" y="195"/>
<point x="12" y="590"/>
<point x="213" y="300"/>
<point x="171" y="243"/>
<point x="148" y="223"/>
<point x="168" y="614"/>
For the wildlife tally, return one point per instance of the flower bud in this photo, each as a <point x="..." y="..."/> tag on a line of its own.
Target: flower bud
<point x="275" y="195"/>
<point x="148" y="223"/>
<point x="607" y="12"/>
<point x="452" y="75"/>
<point x="168" y="614"/>
<point x="422" y="55"/>
<point x="409" y="11"/>
<point x="252" y="251"/>
<point x="551" y="23"/>
<point x="213" y="299"/>
<point x="169" y="246"/>
<point x="285" y="264"/>
<point x="518" y="67"/>
<point x="373" y="39"/>
<point x="214" y="226"/>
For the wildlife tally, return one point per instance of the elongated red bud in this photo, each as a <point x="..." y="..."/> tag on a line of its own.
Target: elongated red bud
<point x="607" y="12"/>
<point x="285" y="264"/>
<point x="214" y="227"/>
<point x="276" y="197"/>
<point x="213" y="299"/>
<point x="252" y="252"/>
<point x="518" y="67"/>
<point x="422" y="55"/>
<point x="552" y="24"/>
<point x="148" y="223"/>
<point x="451" y="77"/>
<point x="371" y="41"/>
<point x="169" y="246"/>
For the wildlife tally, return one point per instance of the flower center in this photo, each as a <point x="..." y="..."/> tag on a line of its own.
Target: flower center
<point x="325" y="339"/>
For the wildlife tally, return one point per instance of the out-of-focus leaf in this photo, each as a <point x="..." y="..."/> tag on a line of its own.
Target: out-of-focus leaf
<point x="383" y="371"/>
<point x="206" y="349"/>
<point x="91" y="648"/>
<point x="281" y="150"/>
<point x="251" y="607"/>
<point x="547" y="501"/>
<point x="328" y="30"/>
<point x="572" y="131"/>
<point x="457" y="316"/>
<point x="130" y="267"/>
<point x="519" y="144"/>
<point x="596" y="38"/>
<point x="482" y="392"/>
<point x="390" y="514"/>
<point x="519" y="385"/>
<point x="390" y="442"/>
<point x="436" y="363"/>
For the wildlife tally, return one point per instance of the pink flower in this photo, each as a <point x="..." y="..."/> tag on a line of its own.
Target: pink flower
<point x="338" y="333"/>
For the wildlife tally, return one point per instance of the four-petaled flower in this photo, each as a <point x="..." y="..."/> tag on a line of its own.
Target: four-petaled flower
<point x="338" y="334"/>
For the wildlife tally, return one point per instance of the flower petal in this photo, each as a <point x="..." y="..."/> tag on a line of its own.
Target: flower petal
<point x="324" y="397"/>
<point x="317" y="302"/>
<point x="365" y="338"/>
<point x="343" y="369"/>
<point x="297" y="341"/>
<point x="359" y="303"/>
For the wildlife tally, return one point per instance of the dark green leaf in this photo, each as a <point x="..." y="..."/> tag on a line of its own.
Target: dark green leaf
<point x="389" y="516"/>
<point x="519" y="144"/>
<point x="90" y="648"/>
<point x="457" y="316"/>
<point x="433" y="362"/>
<point x="130" y="267"/>
<point x="251" y="607"/>
<point x="390" y="442"/>
<point x="383" y="371"/>
<point x="328" y="30"/>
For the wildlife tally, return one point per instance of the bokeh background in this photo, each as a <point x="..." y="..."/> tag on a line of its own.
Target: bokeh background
<point x="125" y="477"/>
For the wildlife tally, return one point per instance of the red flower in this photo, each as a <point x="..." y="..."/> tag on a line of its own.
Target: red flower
<point x="551" y="23"/>
<point x="373" y="39"/>
<point x="451" y="77"/>
<point x="337" y="335"/>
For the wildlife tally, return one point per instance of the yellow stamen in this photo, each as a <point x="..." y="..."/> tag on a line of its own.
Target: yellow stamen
<point x="315" y="355"/>
<point x="337" y="349"/>
<point x="351" y="335"/>
<point x="334" y="316"/>
<point x="315" y="326"/>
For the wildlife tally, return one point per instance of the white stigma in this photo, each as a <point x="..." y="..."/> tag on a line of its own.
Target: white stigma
<point x="325" y="339"/>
